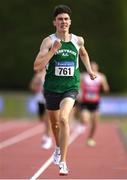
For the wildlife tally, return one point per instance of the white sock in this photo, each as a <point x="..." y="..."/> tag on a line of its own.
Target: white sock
<point x="58" y="149"/>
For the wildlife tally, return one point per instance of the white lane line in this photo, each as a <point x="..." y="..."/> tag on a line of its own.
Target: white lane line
<point x="5" y="126"/>
<point x="22" y="136"/>
<point x="13" y="125"/>
<point x="73" y="136"/>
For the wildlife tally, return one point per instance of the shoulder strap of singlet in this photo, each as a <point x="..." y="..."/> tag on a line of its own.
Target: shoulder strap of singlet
<point x="53" y="38"/>
<point x="74" y="40"/>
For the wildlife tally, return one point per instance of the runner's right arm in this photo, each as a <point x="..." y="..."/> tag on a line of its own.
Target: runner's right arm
<point x="46" y="53"/>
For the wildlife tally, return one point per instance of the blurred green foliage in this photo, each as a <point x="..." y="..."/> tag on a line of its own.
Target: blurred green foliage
<point x="102" y="23"/>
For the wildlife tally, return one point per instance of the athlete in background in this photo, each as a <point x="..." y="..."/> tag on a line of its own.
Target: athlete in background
<point x="89" y="100"/>
<point x="36" y="86"/>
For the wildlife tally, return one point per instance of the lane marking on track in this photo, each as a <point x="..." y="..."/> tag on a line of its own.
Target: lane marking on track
<point x="120" y="168"/>
<point x="22" y="136"/>
<point x="73" y="136"/>
<point x="5" y="126"/>
<point x="12" y="126"/>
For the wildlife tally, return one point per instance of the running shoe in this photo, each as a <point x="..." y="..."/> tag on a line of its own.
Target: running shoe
<point x="91" y="142"/>
<point x="63" y="170"/>
<point x="47" y="142"/>
<point x="56" y="156"/>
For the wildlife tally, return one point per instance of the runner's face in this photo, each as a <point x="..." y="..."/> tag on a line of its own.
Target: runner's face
<point x="62" y="22"/>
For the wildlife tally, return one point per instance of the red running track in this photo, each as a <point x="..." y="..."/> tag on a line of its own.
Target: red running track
<point x="21" y="155"/>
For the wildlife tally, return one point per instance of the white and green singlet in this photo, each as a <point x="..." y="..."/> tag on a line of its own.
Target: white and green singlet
<point x="62" y="72"/>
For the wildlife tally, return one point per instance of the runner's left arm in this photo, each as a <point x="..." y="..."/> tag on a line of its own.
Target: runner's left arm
<point x="85" y="58"/>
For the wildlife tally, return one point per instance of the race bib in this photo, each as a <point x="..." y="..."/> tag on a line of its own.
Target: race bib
<point x="91" y="95"/>
<point x="64" y="68"/>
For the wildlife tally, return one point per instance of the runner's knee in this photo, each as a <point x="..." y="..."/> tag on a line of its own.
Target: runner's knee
<point x="63" y="120"/>
<point x="55" y="125"/>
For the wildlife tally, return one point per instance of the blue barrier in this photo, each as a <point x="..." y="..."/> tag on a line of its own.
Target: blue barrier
<point x="31" y="105"/>
<point x="108" y="105"/>
<point x="113" y="106"/>
<point x="1" y="104"/>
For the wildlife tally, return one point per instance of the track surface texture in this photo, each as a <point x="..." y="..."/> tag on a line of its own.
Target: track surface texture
<point x="21" y="155"/>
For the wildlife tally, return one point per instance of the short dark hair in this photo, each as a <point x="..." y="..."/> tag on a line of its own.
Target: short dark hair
<point x="61" y="9"/>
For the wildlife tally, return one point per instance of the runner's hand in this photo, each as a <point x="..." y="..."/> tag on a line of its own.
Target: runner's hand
<point x="57" y="45"/>
<point x="92" y="75"/>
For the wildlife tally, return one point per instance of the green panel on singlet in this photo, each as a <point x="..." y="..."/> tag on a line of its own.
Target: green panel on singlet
<point x="62" y="73"/>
